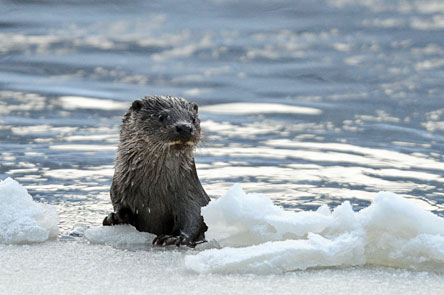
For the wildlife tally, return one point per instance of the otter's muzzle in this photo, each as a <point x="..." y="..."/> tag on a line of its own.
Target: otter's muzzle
<point x="183" y="135"/>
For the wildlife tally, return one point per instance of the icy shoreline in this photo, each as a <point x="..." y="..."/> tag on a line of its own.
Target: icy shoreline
<point x="249" y="234"/>
<point x="78" y="268"/>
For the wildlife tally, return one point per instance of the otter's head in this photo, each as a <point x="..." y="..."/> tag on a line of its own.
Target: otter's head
<point x="163" y="121"/>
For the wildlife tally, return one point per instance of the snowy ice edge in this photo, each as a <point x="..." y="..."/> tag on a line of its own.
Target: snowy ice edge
<point x="258" y="237"/>
<point x="22" y="220"/>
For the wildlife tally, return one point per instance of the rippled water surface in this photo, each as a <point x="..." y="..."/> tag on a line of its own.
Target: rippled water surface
<point x="309" y="102"/>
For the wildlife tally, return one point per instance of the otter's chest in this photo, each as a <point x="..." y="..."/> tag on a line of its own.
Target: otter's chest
<point x="154" y="217"/>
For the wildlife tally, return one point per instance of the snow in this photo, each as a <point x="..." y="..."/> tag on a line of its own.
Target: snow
<point x="248" y="234"/>
<point x="261" y="238"/>
<point x="21" y="219"/>
<point x="79" y="268"/>
<point x="280" y="256"/>
<point x="119" y="236"/>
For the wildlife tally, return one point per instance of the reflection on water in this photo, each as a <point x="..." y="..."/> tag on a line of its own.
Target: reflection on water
<point x="308" y="112"/>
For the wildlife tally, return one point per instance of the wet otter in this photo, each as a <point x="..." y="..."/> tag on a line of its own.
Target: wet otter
<point x="155" y="185"/>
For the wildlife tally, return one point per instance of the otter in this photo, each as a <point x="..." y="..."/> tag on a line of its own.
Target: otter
<point x="155" y="186"/>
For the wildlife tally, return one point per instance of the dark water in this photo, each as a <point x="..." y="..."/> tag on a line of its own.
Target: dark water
<point x="361" y="82"/>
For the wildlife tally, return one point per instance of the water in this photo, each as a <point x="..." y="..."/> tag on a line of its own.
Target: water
<point x="363" y="78"/>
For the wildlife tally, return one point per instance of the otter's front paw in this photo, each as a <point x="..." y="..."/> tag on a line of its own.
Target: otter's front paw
<point x="166" y="240"/>
<point x="110" y="220"/>
<point x="121" y="216"/>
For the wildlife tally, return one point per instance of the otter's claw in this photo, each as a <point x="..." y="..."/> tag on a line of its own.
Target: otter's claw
<point x="162" y="240"/>
<point x="121" y="216"/>
<point x="167" y="240"/>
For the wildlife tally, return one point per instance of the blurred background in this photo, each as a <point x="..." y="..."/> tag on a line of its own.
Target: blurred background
<point x="310" y="102"/>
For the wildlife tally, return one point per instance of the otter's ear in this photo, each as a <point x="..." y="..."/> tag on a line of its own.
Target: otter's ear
<point x="195" y="107"/>
<point x="137" y="105"/>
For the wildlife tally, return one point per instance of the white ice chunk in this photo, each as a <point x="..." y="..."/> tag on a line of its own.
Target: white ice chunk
<point x="262" y="238"/>
<point x="281" y="256"/>
<point x="78" y="230"/>
<point x="239" y="219"/>
<point x="118" y="236"/>
<point x="21" y="219"/>
<point x="401" y="234"/>
<point x="128" y="237"/>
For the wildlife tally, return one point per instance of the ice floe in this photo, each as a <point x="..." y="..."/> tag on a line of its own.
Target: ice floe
<point x="259" y="237"/>
<point x="22" y="220"/>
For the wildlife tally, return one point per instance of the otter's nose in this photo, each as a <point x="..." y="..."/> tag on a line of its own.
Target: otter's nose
<point x="184" y="129"/>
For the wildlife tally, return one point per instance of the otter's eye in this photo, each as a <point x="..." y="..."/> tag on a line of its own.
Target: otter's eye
<point x="162" y="118"/>
<point x="193" y="119"/>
